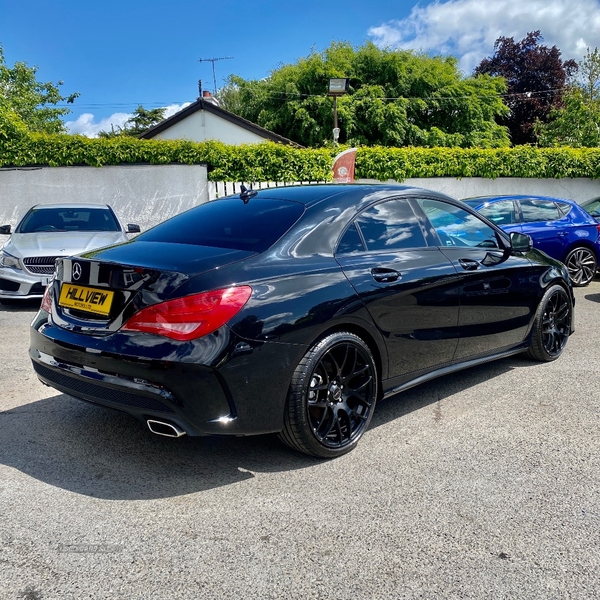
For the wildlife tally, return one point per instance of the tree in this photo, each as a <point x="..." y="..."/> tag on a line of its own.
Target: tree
<point x="536" y="77"/>
<point x="395" y="98"/>
<point x="141" y="120"/>
<point x="589" y="74"/>
<point x="576" y="122"/>
<point x="35" y="104"/>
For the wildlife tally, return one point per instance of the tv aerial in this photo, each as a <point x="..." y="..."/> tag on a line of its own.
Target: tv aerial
<point x="213" y="61"/>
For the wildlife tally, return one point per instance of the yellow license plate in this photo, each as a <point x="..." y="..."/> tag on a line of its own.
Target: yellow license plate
<point x="86" y="298"/>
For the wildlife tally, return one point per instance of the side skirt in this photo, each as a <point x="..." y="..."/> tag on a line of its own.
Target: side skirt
<point x="449" y="369"/>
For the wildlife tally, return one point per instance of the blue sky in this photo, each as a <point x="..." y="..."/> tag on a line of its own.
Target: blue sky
<point x="121" y="54"/>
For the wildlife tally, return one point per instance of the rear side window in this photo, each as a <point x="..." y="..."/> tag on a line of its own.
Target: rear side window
<point x="564" y="208"/>
<point x="539" y="210"/>
<point x="350" y="241"/>
<point x="229" y="223"/>
<point x="391" y="225"/>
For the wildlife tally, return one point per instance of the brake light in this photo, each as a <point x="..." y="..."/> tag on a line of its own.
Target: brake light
<point x="190" y="317"/>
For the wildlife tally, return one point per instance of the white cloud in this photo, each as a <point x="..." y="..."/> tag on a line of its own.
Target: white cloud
<point x="87" y="125"/>
<point x="173" y="108"/>
<point x="468" y="28"/>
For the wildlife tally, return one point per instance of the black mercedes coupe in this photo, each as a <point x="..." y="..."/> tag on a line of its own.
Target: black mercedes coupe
<point x="293" y="310"/>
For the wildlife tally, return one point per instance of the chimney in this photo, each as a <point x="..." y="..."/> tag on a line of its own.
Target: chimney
<point x="208" y="97"/>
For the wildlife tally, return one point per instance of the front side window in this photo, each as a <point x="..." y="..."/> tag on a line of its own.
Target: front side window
<point x="391" y="225"/>
<point x="500" y="213"/>
<point x="457" y="227"/>
<point x="539" y="210"/>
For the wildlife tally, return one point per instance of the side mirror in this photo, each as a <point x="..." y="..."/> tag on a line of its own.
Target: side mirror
<point x="133" y="228"/>
<point x="520" y="242"/>
<point x="5" y="229"/>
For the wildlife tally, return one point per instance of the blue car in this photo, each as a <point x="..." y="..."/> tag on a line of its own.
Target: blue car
<point x="558" y="227"/>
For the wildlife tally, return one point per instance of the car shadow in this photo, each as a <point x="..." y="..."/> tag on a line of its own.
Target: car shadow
<point x="107" y="454"/>
<point x="593" y="297"/>
<point x="31" y="306"/>
<point x="438" y="389"/>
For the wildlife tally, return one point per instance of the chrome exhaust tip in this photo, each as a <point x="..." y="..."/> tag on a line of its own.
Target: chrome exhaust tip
<point x="164" y="428"/>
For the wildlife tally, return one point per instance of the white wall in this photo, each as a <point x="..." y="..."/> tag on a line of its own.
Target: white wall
<point x="573" y="189"/>
<point x="142" y="194"/>
<point x="202" y="125"/>
<point x="149" y="194"/>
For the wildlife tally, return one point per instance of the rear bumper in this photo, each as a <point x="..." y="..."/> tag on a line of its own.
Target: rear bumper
<point x="234" y="393"/>
<point x="138" y="397"/>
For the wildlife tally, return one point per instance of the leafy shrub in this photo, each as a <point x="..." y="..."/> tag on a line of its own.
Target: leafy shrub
<point x="275" y="162"/>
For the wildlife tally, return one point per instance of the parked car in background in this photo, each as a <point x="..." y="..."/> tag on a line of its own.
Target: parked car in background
<point x="293" y="310"/>
<point x="48" y="232"/>
<point x="592" y="206"/>
<point x="558" y="227"/>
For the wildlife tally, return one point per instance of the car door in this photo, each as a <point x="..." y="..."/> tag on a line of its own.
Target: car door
<point x="410" y="288"/>
<point x="541" y="220"/>
<point x="497" y="298"/>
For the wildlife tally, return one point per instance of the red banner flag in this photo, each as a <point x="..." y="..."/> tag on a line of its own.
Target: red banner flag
<point x="343" y="166"/>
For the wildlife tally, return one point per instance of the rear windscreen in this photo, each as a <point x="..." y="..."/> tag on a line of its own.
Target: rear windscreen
<point x="229" y="223"/>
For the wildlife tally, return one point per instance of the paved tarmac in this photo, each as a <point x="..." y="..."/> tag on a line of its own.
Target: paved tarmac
<point x="483" y="484"/>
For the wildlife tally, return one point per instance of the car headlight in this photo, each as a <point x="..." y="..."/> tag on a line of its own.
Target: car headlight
<point x="10" y="261"/>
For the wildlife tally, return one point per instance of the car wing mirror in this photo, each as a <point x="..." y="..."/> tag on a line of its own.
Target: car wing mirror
<point x="520" y="242"/>
<point x="5" y="229"/>
<point x="133" y="228"/>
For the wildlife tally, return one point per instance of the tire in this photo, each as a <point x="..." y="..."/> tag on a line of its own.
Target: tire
<point x="552" y="325"/>
<point x="582" y="264"/>
<point x="331" y="398"/>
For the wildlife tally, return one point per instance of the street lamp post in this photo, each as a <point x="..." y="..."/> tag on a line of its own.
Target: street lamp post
<point x="337" y="87"/>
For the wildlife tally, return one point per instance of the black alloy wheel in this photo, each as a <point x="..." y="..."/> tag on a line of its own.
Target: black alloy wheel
<point x="552" y="325"/>
<point x="332" y="397"/>
<point x="582" y="264"/>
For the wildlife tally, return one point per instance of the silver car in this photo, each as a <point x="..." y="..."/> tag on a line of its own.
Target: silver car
<point x="50" y="231"/>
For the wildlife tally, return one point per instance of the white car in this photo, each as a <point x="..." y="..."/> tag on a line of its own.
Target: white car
<point x="48" y="232"/>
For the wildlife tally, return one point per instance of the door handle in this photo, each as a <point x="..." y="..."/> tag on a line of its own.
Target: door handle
<point x="468" y="264"/>
<point x="385" y="275"/>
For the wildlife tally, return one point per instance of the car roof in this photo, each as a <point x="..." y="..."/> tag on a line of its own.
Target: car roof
<point x="70" y="205"/>
<point x="313" y="194"/>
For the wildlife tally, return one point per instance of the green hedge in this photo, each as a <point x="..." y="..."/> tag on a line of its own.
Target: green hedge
<point x="275" y="162"/>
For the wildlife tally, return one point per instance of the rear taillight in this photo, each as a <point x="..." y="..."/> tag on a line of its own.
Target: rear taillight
<point x="47" y="300"/>
<point x="192" y="316"/>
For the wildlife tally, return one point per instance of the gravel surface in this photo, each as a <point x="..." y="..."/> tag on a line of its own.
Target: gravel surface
<point x="483" y="484"/>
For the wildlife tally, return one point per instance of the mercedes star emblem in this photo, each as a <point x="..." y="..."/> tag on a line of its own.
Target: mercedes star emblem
<point x="76" y="271"/>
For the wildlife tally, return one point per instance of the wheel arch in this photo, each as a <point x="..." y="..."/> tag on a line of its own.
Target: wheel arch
<point x="581" y="243"/>
<point x="379" y="356"/>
